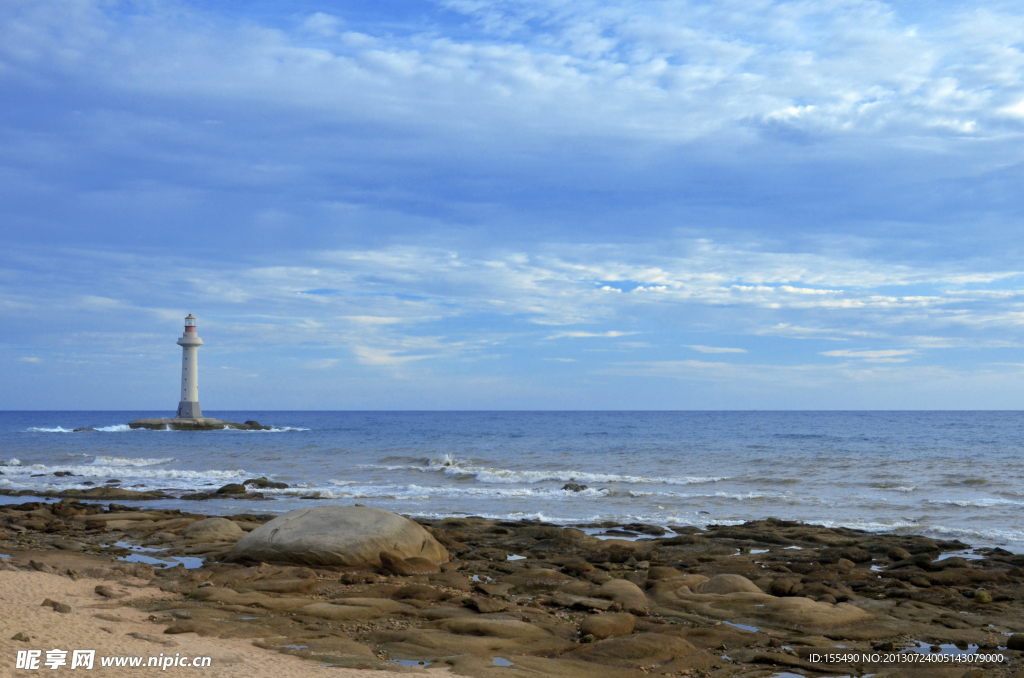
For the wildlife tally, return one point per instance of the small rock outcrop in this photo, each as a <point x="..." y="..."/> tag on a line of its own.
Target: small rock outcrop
<point x="347" y="536"/>
<point x="207" y="424"/>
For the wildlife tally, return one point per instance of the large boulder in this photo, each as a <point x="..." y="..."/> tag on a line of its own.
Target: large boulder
<point x="347" y="536"/>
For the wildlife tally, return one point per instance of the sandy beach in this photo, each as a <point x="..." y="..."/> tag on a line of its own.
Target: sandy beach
<point x="119" y="629"/>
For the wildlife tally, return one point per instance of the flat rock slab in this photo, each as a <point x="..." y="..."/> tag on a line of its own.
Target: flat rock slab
<point x="346" y="536"/>
<point x="207" y="424"/>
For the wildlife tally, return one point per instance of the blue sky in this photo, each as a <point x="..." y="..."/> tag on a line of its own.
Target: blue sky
<point x="474" y="204"/>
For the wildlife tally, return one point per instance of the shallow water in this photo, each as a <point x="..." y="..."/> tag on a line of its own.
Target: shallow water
<point x="945" y="474"/>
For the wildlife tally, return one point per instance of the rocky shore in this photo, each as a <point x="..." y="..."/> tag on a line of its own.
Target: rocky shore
<point x="500" y="598"/>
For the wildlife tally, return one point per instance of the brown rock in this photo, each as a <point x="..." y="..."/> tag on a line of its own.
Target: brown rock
<point x="727" y="583"/>
<point x="785" y="587"/>
<point x="639" y="649"/>
<point x="108" y="592"/>
<point x="603" y="626"/>
<point x="405" y="567"/>
<point x="626" y="594"/>
<point x="63" y="608"/>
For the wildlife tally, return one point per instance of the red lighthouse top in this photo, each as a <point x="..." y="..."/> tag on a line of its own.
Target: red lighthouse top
<point x="190" y="323"/>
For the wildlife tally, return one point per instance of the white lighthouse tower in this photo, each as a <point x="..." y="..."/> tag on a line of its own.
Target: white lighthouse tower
<point x="190" y="342"/>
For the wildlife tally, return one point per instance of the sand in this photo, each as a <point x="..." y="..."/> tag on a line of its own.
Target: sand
<point x="96" y="623"/>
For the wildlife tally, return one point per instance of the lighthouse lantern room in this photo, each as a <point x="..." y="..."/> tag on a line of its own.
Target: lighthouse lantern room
<point x="188" y="406"/>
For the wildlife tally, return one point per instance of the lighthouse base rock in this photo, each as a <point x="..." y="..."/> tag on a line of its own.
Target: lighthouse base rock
<point x="346" y="536"/>
<point x="204" y="424"/>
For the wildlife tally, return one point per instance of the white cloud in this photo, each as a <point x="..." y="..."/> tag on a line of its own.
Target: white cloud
<point x="369" y="355"/>
<point x="30" y="359"/>
<point x="649" y="70"/>
<point x="715" y="349"/>
<point x="325" y="25"/>
<point x="583" y="335"/>
<point x="882" y="356"/>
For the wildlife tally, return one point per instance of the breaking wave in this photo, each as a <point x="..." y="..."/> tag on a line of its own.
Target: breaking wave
<point x="125" y="461"/>
<point x="453" y="467"/>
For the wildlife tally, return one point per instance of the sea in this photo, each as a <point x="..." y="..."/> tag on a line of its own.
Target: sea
<point x="951" y="475"/>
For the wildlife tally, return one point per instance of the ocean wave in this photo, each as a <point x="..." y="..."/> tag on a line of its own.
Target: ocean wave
<point x="126" y="461"/>
<point x="406" y="492"/>
<point x="451" y="466"/>
<point x="57" y="429"/>
<point x="194" y="479"/>
<point x="116" y="428"/>
<point x="975" y="502"/>
<point x="894" y="487"/>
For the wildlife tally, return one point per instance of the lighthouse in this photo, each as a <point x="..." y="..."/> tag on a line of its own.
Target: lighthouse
<point x="188" y="407"/>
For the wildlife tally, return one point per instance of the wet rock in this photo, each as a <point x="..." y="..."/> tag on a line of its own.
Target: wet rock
<point x="1015" y="642"/>
<point x="347" y="536"/>
<point x="264" y="484"/>
<point x="982" y="597"/>
<point x="897" y="554"/>
<point x="232" y="488"/>
<point x="574" y="487"/>
<point x="603" y="626"/>
<point x="213" y="529"/>
<point x="63" y="474"/>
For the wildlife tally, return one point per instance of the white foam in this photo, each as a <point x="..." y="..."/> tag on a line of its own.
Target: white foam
<point x="58" y="429"/>
<point x="423" y="492"/>
<point x="974" y="502"/>
<point x="179" y="478"/>
<point x="116" y="428"/>
<point x="452" y="466"/>
<point x="128" y="461"/>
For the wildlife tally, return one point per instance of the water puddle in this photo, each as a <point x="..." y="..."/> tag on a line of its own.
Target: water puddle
<point x="138" y="556"/>
<point x="498" y="661"/>
<point x="752" y="629"/>
<point x="296" y="647"/>
<point x="515" y="557"/>
<point x="189" y="562"/>
<point x="478" y="578"/>
<point x="756" y="551"/>
<point x="966" y="554"/>
<point x="944" y="648"/>
<point x="4" y="555"/>
<point x="411" y="663"/>
<point x="603" y="533"/>
<point x="794" y="548"/>
<point x="877" y="568"/>
<point x="136" y="547"/>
